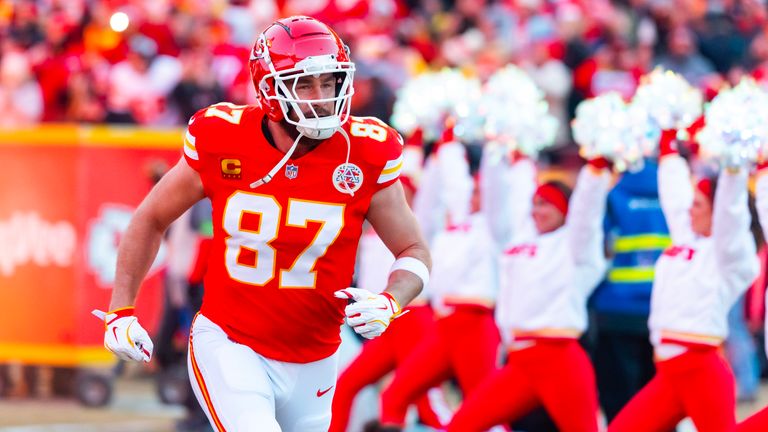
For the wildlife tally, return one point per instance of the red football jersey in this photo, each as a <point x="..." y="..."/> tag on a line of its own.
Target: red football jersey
<point x="281" y="250"/>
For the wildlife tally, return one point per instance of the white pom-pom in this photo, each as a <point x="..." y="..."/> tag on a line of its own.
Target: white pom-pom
<point x="428" y="99"/>
<point x="607" y="127"/>
<point x="736" y="129"/>
<point x="642" y="135"/>
<point x="517" y="114"/>
<point x="668" y="98"/>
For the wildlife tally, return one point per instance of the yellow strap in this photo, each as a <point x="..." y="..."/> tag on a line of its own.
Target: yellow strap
<point x="641" y="242"/>
<point x="631" y="274"/>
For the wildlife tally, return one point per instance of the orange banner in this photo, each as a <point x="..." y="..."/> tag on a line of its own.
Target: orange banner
<point x="66" y="195"/>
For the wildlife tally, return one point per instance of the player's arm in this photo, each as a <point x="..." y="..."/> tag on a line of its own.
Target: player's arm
<point x="176" y="192"/>
<point x="370" y="314"/>
<point x="394" y="222"/>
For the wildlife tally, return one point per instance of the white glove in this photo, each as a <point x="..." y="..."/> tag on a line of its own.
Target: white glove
<point x="124" y="336"/>
<point x="370" y="314"/>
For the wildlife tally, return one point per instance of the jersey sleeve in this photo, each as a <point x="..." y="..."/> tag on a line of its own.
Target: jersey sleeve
<point x="507" y="189"/>
<point x="735" y="247"/>
<point x="456" y="184"/>
<point x="676" y="197"/>
<point x="383" y="149"/>
<point x="426" y="203"/>
<point x="391" y="160"/>
<point x="192" y="148"/>
<point x="584" y="224"/>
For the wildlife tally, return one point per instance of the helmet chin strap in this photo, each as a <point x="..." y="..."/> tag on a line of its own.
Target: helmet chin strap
<point x="346" y="161"/>
<point x="266" y="179"/>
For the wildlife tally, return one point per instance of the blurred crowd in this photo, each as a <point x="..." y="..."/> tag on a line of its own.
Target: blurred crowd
<point x="155" y="62"/>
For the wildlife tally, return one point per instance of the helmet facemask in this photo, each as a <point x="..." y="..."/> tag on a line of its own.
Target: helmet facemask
<point x="284" y="82"/>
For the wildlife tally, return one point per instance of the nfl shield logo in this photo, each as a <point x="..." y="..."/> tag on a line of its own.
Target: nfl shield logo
<point x="291" y="171"/>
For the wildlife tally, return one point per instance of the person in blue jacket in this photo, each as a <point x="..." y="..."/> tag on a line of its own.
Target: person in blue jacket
<point x="636" y="234"/>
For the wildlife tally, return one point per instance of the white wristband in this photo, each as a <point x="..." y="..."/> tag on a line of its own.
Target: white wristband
<point x="412" y="265"/>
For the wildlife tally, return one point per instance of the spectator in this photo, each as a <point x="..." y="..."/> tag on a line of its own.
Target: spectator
<point x="637" y="234"/>
<point x="21" y="100"/>
<point x="197" y="88"/>
<point x="139" y="84"/>
<point x="243" y="21"/>
<point x="229" y="61"/>
<point x="554" y="78"/>
<point x="722" y="41"/>
<point x="758" y="58"/>
<point x="683" y="57"/>
<point x="129" y="84"/>
<point x="156" y="27"/>
<point x="611" y="68"/>
<point x="100" y="38"/>
<point x="24" y="27"/>
<point x="83" y="104"/>
<point x="372" y="97"/>
<point x="54" y="60"/>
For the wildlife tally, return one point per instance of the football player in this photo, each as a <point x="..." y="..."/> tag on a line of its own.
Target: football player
<point x="291" y="181"/>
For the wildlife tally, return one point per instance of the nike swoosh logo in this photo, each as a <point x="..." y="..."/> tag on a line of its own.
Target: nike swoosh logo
<point x="114" y="332"/>
<point x="320" y="393"/>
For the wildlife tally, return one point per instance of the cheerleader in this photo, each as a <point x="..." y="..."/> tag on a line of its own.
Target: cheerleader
<point x="553" y="260"/>
<point x="711" y="263"/>
<point x="462" y="288"/>
<point x="759" y="422"/>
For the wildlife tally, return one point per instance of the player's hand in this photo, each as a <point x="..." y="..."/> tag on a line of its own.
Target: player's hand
<point x="370" y="314"/>
<point x="124" y="336"/>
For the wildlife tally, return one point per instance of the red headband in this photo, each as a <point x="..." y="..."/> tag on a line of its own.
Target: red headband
<point x="554" y="196"/>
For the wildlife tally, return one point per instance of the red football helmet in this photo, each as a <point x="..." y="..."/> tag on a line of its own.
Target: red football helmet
<point x="289" y="49"/>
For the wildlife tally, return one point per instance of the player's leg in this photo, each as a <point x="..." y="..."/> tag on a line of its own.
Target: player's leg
<point x="376" y="359"/>
<point x="656" y="408"/>
<point x="562" y="369"/>
<point x="474" y="346"/>
<point x="758" y="422"/>
<point x="503" y="396"/>
<point x="304" y="393"/>
<point x="708" y="390"/>
<point x="229" y="381"/>
<point x="427" y="366"/>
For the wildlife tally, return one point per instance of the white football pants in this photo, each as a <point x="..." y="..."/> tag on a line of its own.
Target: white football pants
<point x="242" y="391"/>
